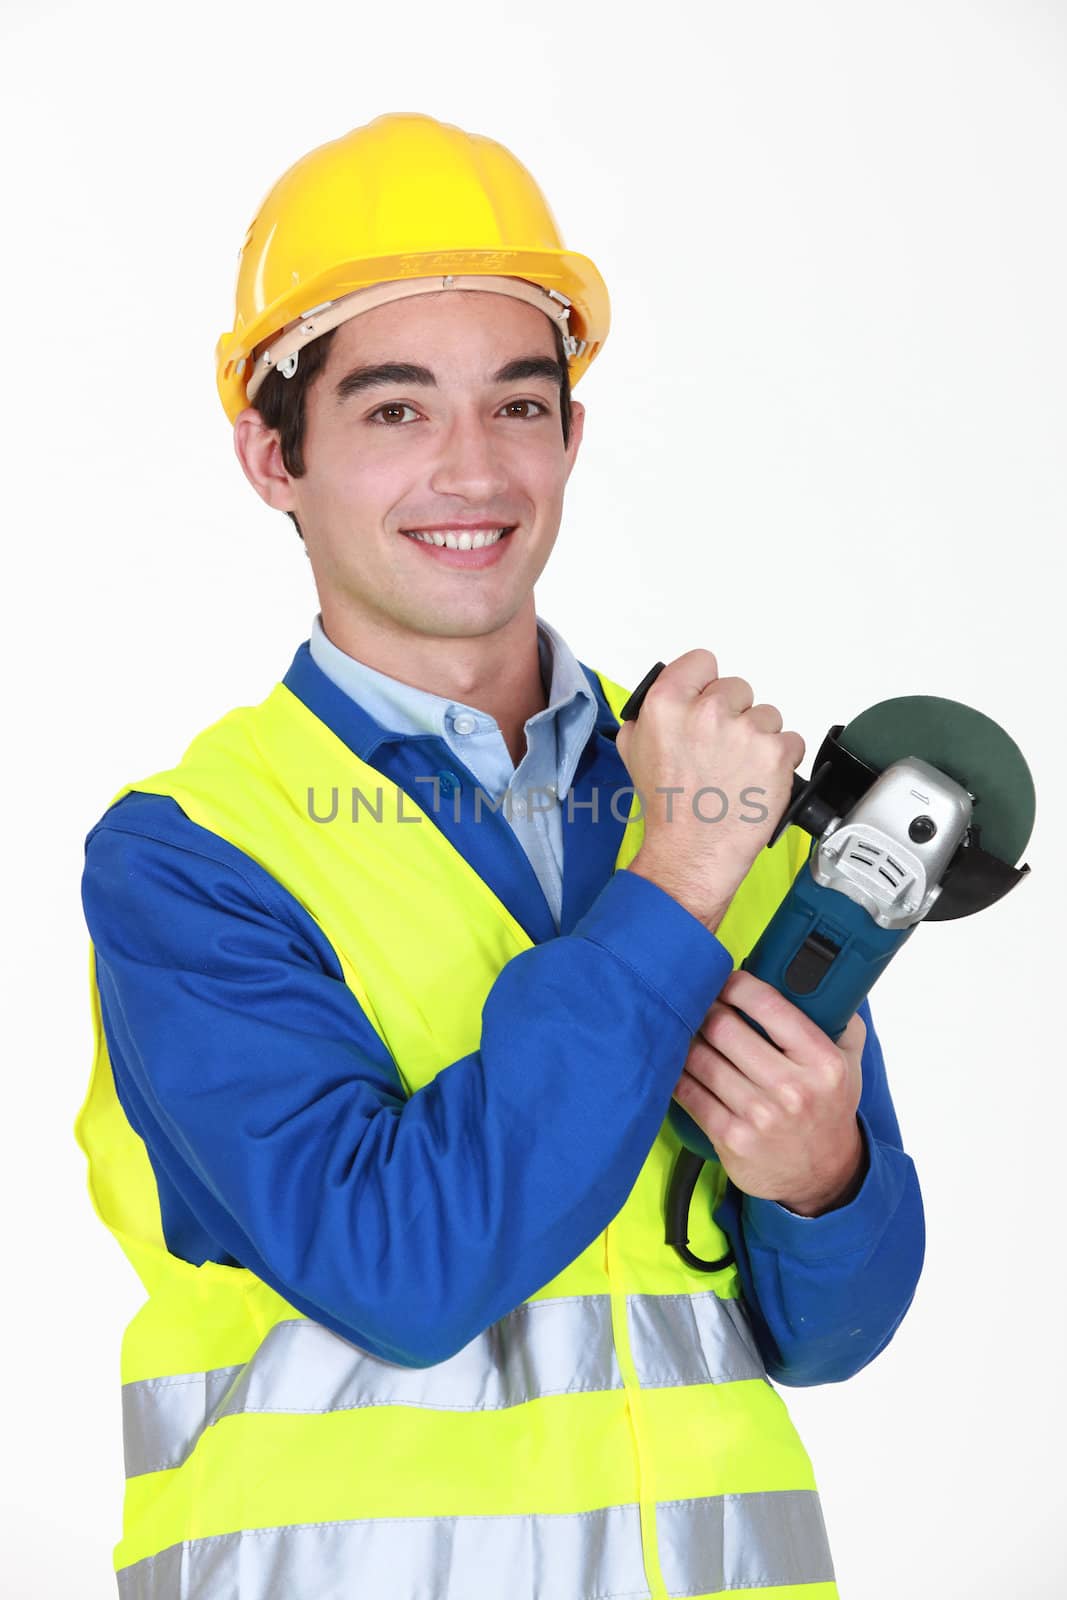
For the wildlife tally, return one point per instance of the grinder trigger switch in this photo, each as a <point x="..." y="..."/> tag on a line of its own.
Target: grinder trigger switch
<point x="810" y="965"/>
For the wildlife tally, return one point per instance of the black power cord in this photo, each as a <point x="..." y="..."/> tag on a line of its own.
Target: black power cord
<point x="683" y="1182"/>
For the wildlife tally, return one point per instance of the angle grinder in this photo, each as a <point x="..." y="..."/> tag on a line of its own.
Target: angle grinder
<point x="918" y="811"/>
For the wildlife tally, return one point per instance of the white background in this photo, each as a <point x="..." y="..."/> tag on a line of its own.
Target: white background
<point x="825" y="439"/>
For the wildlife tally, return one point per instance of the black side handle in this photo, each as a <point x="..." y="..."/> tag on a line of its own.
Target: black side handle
<point x="633" y="705"/>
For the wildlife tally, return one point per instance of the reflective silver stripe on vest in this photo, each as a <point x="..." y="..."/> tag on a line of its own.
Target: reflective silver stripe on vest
<point x="706" y="1545"/>
<point x="691" y="1338"/>
<point x="743" y="1541"/>
<point x="162" y="1418"/>
<point x="544" y="1347"/>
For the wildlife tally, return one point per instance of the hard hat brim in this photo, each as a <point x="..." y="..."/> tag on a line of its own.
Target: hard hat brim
<point x="566" y="271"/>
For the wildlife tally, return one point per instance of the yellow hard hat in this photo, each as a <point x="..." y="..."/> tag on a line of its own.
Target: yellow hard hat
<point x="406" y="204"/>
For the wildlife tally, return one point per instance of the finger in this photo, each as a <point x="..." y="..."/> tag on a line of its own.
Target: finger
<point x="686" y="677"/>
<point x="722" y="1078"/>
<point x="784" y="1023"/>
<point x="735" y="692"/>
<point x="768" y="719"/>
<point x="797" y="746"/>
<point x="854" y="1036"/>
<point x="732" y="1035"/>
<point x="707" y="1110"/>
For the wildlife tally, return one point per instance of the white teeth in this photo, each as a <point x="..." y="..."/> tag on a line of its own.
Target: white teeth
<point x="462" y="541"/>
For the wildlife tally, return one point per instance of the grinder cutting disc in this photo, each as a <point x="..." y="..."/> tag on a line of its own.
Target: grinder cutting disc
<point x="964" y="744"/>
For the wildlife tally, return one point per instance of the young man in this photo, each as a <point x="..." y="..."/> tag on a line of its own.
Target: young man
<point x="391" y="995"/>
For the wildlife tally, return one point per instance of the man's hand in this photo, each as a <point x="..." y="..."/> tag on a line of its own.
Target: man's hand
<point x="783" y="1121"/>
<point x="699" y="754"/>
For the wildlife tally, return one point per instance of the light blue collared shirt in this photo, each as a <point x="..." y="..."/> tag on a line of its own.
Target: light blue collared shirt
<point x="555" y="738"/>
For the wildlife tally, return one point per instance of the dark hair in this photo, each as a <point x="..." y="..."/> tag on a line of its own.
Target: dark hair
<point x="280" y="401"/>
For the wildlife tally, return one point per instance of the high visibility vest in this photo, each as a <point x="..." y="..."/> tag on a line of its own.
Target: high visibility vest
<point x="613" y="1436"/>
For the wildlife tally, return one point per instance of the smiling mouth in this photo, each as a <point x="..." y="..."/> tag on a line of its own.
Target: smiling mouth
<point x="460" y="539"/>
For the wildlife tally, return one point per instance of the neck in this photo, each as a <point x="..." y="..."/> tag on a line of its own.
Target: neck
<point x="498" y="673"/>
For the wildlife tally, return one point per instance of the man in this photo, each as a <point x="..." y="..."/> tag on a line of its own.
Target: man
<point x="391" y="995"/>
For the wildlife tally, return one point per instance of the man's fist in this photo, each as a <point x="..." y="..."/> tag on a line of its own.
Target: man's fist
<point x="714" y="772"/>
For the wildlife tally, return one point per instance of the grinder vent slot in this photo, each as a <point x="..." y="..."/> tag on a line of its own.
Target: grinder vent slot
<point x="878" y="861"/>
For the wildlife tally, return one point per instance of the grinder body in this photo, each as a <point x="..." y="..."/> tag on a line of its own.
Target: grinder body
<point x="868" y="881"/>
<point x="823" y="952"/>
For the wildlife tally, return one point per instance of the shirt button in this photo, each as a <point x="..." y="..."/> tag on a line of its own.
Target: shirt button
<point x="464" y="724"/>
<point x="518" y="806"/>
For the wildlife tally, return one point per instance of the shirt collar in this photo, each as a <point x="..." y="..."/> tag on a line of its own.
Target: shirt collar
<point x="368" y="708"/>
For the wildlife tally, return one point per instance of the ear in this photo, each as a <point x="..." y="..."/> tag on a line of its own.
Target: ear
<point x="577" y="429"/>
<point x="258" y="449"/>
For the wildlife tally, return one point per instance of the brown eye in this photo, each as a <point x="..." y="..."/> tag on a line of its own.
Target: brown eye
<point x="512" y="404"/>
<point x="388" y="412"/>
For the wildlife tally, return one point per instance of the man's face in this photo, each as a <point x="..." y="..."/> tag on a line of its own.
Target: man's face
<point x="457" y="443"/>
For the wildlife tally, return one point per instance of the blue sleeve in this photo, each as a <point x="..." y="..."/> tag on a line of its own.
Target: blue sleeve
<point x="826" y="1294"/>
<point x="277" y="1125"/>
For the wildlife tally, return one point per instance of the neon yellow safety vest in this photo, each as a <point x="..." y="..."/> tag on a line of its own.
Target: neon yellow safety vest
<point x="613" y="1437"/>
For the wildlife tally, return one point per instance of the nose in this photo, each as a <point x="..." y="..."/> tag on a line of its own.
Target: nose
<point x="469" y="465"/>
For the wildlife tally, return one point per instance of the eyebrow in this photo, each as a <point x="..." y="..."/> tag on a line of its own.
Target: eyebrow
<point x="393" y="372"/>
